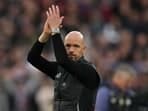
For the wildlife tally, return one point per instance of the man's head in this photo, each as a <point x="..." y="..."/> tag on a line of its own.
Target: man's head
<point x="123" y="77"/>
<point x="74" y="44"/>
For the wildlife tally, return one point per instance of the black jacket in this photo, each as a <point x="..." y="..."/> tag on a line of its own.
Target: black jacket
<point x="75" y="81"/>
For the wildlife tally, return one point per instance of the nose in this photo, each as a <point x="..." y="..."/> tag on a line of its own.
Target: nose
<point x="71" y="49"/>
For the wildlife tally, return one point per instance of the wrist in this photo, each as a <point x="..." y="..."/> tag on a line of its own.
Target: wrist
<point x="45" y="34"/>
<point x="55" y="31"/>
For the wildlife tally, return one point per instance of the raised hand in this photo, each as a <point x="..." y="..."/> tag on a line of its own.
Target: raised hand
<point x="53" y="17"/>
<point x="53" y="22"/>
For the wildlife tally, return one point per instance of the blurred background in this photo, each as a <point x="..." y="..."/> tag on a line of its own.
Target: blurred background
<point x="116" y="31"/>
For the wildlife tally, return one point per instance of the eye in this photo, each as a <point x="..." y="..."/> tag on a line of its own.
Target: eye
<point x="67" y="45"/>
<point x="77" y="46"/>
<point x="72" y="45"/>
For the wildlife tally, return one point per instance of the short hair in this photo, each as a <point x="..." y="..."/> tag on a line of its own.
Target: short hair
<point x="126" y="68"/>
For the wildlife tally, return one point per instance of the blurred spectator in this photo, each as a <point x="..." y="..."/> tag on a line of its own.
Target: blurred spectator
<point x="125" y="45"/>
<point x="115" y="96"/>
<point x="5" y="98"/>
<point x="45" y="94"/>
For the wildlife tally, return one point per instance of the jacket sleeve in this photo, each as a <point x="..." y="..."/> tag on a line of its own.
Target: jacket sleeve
<point x="35" y="58"/>
<point x="82" y="71"/>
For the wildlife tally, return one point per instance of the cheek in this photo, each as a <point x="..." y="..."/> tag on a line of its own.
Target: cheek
<point x="67" y="50"/>
<point x="80" y="52"/>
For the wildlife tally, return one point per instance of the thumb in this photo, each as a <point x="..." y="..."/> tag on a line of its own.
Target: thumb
<point x="46" y="23"/>
<point x="61" y="18"/>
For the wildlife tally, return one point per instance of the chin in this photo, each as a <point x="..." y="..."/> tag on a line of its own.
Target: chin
<point x="73" y="58"/>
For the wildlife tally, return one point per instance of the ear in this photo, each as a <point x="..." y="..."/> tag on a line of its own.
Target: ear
<point x="84" y="49"/>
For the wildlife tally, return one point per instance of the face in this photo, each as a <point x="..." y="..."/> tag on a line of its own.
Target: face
<point x="74" y="45"/>
<point x="122" y="80"/>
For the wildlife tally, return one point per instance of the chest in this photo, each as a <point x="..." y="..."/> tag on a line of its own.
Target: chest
<point x="120" y="101"/>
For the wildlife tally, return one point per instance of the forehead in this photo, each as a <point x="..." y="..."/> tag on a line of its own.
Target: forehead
<point x="74" y="38"/>
<point x="123" y="74"/>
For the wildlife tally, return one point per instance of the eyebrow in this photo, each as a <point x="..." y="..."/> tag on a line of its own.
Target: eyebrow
<point x="75" y="45"/>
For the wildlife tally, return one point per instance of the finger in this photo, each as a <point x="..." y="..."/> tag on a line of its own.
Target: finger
<point x="46" y="23"/>
<point x="50" y="11"/>
<point x="57" y="11"/>
<point x="54" y="10"/>
<point x="61" y="19"/>
<point x="47" y="14"/>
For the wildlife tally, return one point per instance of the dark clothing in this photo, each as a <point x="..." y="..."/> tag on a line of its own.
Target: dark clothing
<point x="72" y="78"/>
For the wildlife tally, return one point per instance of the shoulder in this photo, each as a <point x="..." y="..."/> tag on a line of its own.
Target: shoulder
<point x="103" y="91"/>
<point x="84" y="61"/>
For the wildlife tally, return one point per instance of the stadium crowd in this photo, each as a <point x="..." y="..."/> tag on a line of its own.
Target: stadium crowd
<point x="116" y="32"/>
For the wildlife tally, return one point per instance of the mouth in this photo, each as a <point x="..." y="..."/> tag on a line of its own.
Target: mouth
<point x="72" y="57"/>
<point x="71" y="54"/>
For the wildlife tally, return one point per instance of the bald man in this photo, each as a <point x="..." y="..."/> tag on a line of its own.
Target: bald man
<point x="75" y="79"/>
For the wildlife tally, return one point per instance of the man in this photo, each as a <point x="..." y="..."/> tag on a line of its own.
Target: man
<point x="117" y="95"/>
<point x="75" y="78"/>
